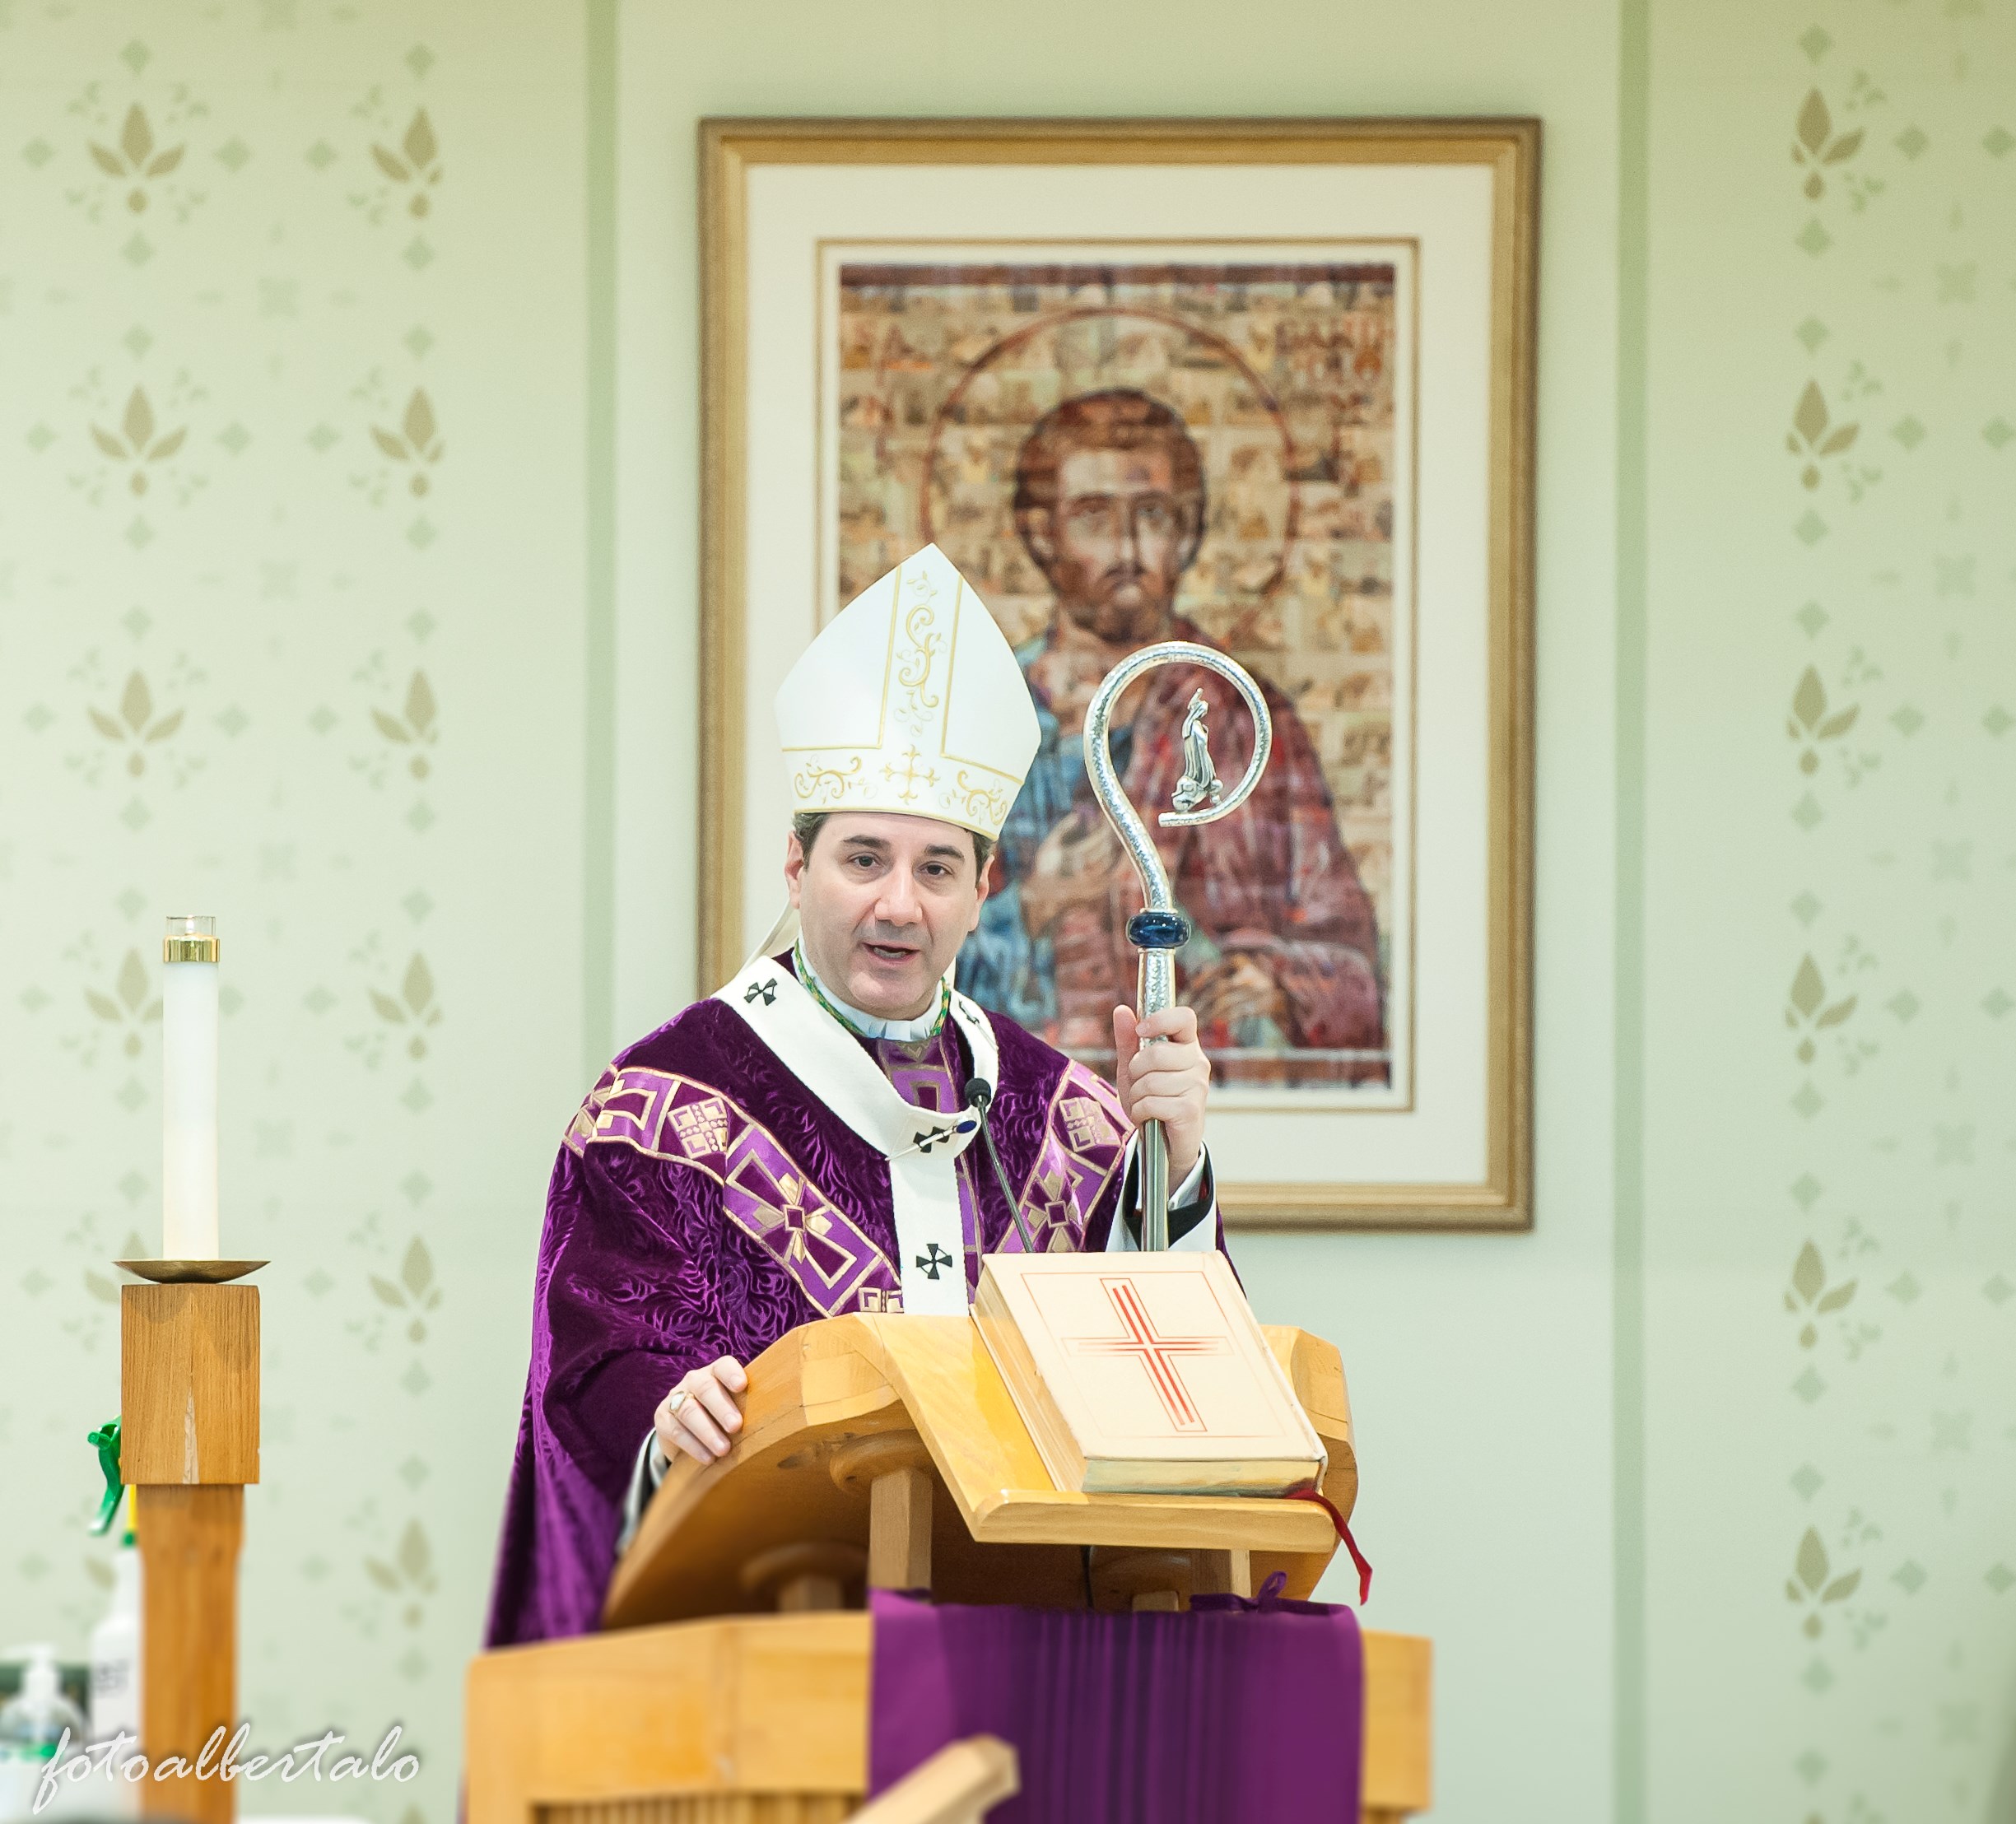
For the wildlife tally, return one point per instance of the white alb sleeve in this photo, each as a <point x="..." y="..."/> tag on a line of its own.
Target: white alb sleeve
<point x="644" y="1481"/>
<point x="1199" y="1233"/>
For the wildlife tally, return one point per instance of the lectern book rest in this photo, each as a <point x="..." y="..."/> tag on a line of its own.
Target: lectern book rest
<point x="1144" y="1374"/>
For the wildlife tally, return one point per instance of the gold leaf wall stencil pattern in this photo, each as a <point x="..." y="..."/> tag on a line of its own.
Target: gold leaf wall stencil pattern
<point x="131" y="152"/>
<point x="410" y="1574"/>
<point x="1859" y="1197"/>
<point x="1814" y="1585"/>
<point x="1813" y="438"/>
<point x="404" y="156"/>
<point x="417" y="162"/>
<point x="1815" y="144"/>
<point x="415" y="1291"/>
<point x="414" y="1006"/>
<point x="416" y="441"/>
<point x="131" y="1004"/>
<point x="1808" y="1010"/>
<point x="137" y="157"/>
<point x="136" y="441"/>
<point x="188" y="618"/>
<point x="135" y="726"/>
<point x="1809" y="1296"/>
<point x="1811" y="722"/>
<point x="414" y="726"/>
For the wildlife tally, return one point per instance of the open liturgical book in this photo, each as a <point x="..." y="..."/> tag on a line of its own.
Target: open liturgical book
<point x="1144" y="1374"/>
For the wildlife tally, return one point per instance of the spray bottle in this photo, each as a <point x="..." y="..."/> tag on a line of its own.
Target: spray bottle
<point x="115" y="1641"/>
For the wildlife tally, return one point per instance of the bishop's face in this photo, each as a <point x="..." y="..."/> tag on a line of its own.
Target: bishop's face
<point x="884" y="904"/>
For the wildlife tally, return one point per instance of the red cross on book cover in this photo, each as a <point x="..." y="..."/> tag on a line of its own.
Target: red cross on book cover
<point x="1144" y="1374"/>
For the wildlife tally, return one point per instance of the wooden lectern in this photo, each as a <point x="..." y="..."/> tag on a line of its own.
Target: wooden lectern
<point x="730" y="1683"/>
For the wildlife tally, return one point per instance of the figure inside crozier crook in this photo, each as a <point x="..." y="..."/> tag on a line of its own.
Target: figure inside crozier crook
<point x="1111" y="502"/>
<point x="808" y="1141"/>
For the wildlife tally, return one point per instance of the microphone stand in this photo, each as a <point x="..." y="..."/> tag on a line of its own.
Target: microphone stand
<point x="979" y="1098"/>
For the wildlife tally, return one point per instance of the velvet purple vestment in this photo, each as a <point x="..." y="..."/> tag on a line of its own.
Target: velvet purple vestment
<point x="703" y="1204"/>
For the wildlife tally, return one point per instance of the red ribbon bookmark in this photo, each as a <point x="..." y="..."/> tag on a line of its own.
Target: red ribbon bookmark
<point x="1343" y="1533"/>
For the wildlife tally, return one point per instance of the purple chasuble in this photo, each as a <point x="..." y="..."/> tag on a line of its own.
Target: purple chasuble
<point x="702" y="1204"/>
<point x="1239" y="1711"/>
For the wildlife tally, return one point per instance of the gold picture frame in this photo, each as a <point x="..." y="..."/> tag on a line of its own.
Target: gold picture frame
<point x="1498" y="1197"/>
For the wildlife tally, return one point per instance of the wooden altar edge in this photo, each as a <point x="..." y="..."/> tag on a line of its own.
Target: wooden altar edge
<point x="776" y="1706"/>
<point x="824" y="1386"/>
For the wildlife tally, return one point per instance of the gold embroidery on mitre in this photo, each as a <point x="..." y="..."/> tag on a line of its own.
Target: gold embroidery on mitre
<point x="910" y="700"/>
<point x="982" y="803"/>
<point x="915" y="659"/>
<point x="906" y="777"/>
<point x="826" y="784"/>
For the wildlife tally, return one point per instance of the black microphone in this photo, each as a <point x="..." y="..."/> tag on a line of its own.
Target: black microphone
<point x="980" y="1097"/>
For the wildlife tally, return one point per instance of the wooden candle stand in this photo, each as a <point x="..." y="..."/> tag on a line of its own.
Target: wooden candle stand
<point x="189" y="1413"/>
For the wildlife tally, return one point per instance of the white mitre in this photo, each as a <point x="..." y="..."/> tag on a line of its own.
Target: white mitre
<point x="910" y="701"/>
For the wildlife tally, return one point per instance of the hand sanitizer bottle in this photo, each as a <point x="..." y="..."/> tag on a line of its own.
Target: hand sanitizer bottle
<point x="32" y="1728"/>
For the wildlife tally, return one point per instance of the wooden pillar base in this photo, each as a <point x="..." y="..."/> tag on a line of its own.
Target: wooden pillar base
<point x="189" y="1442"/>
<point x="188" y="1541"/>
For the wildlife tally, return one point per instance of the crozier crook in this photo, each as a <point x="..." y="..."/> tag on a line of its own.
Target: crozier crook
<point x="1159" y="930"/>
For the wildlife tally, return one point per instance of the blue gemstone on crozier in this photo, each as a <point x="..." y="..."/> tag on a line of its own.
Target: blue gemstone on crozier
<point x="1158" y="931"/>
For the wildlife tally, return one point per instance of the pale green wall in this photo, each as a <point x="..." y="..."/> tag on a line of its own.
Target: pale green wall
<point x="1891" y="1438"/>
<point x="278" y="585"/>
<point x="1592" y="1454"/>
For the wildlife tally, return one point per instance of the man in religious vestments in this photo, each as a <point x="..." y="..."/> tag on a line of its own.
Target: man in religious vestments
<point x="1283" y="955"/>
<point x="812" y="1139"/>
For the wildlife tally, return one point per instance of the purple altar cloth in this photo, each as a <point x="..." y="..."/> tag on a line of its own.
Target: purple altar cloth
<point x="1234" y="1713"/>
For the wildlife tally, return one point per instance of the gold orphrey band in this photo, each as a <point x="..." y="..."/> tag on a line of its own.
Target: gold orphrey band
<point x="188" y="950"/>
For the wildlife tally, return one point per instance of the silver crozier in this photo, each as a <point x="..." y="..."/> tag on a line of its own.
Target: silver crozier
<point x="1160" y="930"/>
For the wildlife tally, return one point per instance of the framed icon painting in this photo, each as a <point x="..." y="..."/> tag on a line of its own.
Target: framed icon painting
<point x="1264" y="385"/>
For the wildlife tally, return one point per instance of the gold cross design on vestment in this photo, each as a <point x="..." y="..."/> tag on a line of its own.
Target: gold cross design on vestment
<point x="796" y="1221"/>
<point x="1054" y="1212"/>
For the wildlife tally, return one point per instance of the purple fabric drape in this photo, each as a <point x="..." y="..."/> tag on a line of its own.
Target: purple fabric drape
<point x="1235" y="1712"/>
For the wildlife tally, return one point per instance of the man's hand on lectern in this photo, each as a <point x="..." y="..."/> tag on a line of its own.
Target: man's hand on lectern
<point x="1169" y="1083"/>
<point x="700" y="1416"/>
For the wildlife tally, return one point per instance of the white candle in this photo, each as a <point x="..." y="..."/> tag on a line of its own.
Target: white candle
<point x="189" y="1089"/>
